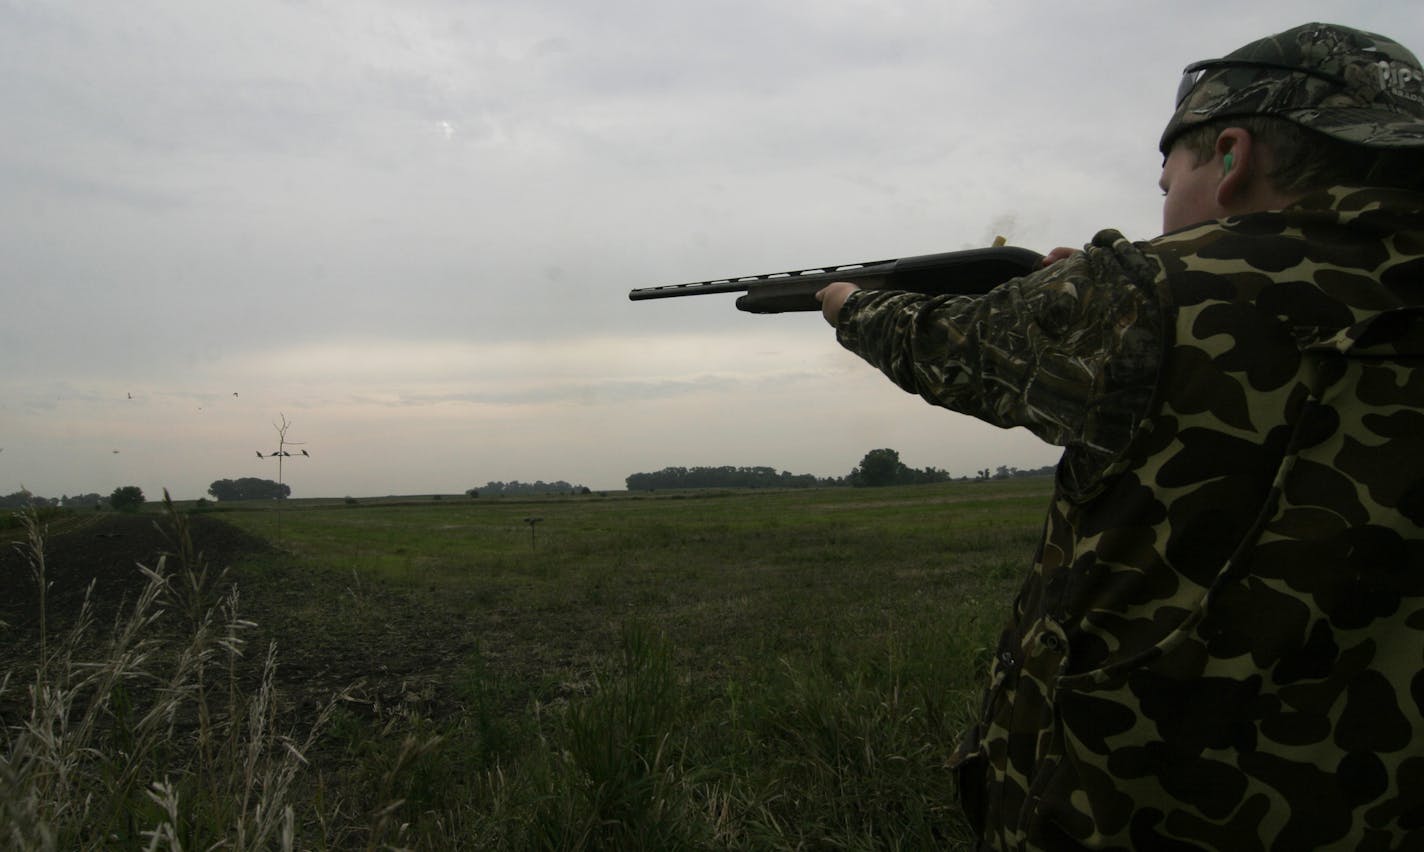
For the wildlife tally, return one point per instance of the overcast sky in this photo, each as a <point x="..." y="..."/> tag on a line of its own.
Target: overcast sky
<point x="410" y="227"/>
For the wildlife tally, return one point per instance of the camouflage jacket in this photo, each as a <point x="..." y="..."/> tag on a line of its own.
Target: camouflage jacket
<point x="1220" y="644"/>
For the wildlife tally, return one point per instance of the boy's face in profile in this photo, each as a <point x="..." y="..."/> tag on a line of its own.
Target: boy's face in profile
<point x="1188" y="189"/>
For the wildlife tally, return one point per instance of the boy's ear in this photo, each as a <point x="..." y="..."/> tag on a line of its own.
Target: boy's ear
<point x="1234" y="149"/>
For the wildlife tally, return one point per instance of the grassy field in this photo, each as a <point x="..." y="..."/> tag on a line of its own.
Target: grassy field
<point x="740" y="670"/>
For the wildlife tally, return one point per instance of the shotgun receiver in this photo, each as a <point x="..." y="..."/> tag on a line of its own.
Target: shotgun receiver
<point x="960" y="273"/>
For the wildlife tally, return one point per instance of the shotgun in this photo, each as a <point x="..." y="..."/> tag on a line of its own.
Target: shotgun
<point x="961" y="273"/>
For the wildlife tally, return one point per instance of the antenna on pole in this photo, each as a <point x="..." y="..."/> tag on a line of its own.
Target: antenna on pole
<point x="281" y="454"/>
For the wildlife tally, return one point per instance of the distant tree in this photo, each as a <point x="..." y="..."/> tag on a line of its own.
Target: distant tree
<point x="126" y="498"/>
<point x="18" y="500"/>
<point x="880" y="467"/>
<point x="883" y="467"/>
<point x="522" y="489"/>
<point x="249" y="488"/>
<point x="82" y="501"/>
<point x="721" y="477"/>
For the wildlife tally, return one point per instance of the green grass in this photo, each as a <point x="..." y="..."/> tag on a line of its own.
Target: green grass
<point x="728" y="670"/>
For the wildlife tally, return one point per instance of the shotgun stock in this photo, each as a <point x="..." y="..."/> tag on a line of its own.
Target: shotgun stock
<point x="971" y="273"/>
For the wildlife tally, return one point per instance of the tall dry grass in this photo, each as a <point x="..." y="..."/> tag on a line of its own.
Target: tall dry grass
<point x="140" y="736"/>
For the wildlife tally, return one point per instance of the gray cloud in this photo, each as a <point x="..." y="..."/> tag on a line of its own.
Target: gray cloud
<point x="193" y="196"/>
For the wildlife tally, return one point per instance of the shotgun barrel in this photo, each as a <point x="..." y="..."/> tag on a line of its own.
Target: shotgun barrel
<point x="971" y="272"/>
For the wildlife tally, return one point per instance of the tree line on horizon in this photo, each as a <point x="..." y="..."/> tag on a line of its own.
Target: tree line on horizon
<point x="515" y="488"/>
<point x="24" y="499"/>
<point x="120" y="498"/>
<point x="880" y="467"/>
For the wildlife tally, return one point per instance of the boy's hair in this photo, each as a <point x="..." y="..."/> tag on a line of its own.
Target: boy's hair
<point x="1304" y="161"/>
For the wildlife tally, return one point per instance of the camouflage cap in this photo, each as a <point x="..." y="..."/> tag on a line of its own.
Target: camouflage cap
<point x="1355" y="86"/>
